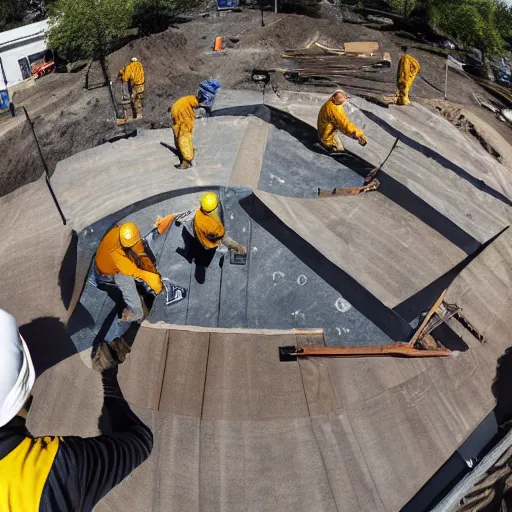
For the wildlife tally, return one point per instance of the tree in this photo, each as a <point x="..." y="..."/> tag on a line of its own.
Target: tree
<point x="12" y="13"/>
<point x="153" y="16"/>
<point x="88" y="29"/>
<point x="473" y="22"/>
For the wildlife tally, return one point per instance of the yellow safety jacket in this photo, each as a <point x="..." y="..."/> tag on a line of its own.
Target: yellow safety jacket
<point x="208" y="229"/>
<point x="50" y="474"/>
<point x="133" y="73"/>
<point x="183" y="115"/>
<point x="408" y="69"/>
<point x="113" y="258"/>
<point x="332" y="118"/>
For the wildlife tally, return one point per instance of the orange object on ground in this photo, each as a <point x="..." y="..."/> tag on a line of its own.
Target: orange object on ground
<point x="218" y="44"/>
<point x="162" y="223"/>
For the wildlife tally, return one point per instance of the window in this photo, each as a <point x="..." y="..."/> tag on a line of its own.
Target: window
<point x="25" y="68"/>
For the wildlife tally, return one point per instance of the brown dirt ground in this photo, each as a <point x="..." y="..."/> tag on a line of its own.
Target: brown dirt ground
<point x="69" y="118"/>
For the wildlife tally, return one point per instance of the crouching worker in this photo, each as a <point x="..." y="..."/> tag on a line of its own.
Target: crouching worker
<point x="122" y="260"/>
<point x="44" y="474"/>
<point x="204" y="232"/>
<point x="182" y="116"/>
<point x="331" y="119"/>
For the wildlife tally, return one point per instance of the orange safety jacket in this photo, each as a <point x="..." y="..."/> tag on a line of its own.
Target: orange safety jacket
<point x="134" y="72"/>
<point x="113" y="258"/>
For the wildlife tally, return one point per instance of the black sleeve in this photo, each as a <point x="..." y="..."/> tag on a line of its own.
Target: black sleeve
<point x="85" y="470"/>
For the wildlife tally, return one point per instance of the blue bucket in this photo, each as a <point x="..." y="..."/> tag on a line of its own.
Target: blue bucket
<point x="227" y="4"/>
<point x="208" y="89"/>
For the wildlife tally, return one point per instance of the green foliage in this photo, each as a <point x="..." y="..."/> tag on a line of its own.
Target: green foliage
<point x="404" y="7"/>
<point x="473" y="22"/>
<point x="153" y="16"/>
<point x="81" y="29"/>
<point x="12" y="12"/>
<point x="503" y="18"/>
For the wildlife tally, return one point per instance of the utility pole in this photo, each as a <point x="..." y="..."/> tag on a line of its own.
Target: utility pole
<point x="275" y="7"/>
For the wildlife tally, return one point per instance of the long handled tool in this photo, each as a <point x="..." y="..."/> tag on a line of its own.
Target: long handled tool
<point x="373" y="172"/>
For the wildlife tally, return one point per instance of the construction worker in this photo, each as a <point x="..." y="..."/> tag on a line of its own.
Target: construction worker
<point x="408" y="69"/>
<point x="332" y="118"/>
<point x="120" y="260"/>
<point x="204" y="224"/>
<point x="43" y="474"/>
<point x="182" y="116"/>
<point x="133" y="74"/>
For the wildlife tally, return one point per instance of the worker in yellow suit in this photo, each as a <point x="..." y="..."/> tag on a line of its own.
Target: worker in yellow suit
<point x="120" y="260"/>
<point x="133" y="74"/>
<point x="204" y="232"/>
<point x="331" y="118"/>
<point x="183" y="115"/>
<point x="408" y="69"/>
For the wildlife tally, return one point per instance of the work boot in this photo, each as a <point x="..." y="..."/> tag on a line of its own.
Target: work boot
<point x="184" y="165"/>
<point x="106" y="356"/>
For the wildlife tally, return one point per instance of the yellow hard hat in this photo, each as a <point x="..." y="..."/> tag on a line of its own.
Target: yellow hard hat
<point x="129" y="234"/>
<point x="209" y="202"/>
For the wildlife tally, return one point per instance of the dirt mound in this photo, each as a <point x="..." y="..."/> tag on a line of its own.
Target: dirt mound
<point x="69" y="118"/>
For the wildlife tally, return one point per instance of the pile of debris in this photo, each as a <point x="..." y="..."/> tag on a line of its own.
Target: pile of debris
<point x="321" y="62"/>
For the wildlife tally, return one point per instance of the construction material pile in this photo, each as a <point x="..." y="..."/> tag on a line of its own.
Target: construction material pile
<point x="321" y="62"/>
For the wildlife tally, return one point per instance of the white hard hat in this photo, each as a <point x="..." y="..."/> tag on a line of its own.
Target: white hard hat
<point x="17" y="373"/>
<point x="134" y="59"/>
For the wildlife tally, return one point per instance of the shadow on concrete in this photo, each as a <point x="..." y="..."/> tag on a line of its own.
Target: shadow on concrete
<point x="389" y="186"/>
<point x="48" y="342"/>
<point x="366" y="303"/>
<point x="170" y="148"/>
<point x="425" y="298"/>
<point x="67" y="273"/>
<point x="195" y="252"/>
<point x="434" y="155"/>
<point x="502" y="390"/>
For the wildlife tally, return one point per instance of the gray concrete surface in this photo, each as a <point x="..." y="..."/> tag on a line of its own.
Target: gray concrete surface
<point x="235" y="429"/>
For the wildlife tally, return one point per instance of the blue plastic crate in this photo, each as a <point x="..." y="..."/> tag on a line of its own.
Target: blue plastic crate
<point x="4" y="100"/>
<point x="227" y="4"/>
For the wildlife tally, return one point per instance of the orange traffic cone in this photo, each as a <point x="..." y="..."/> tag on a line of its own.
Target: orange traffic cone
<point x="218" y="44"/>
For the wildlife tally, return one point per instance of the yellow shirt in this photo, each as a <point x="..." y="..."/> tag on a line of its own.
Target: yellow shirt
<point x="408" y="68"/>
<point x="331" y="118"/>
<point x="113" y="258"/>
<point x="183" y="114"/>
<point x="208" y="229"/>
<point x="134" y="72"/>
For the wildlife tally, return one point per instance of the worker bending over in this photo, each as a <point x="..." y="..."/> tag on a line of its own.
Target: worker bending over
<point x="133" y="74"/>
<point x="408" y="69"/>
<point x="204" y="232"/>
<point x="332" y="118"/>
<point x="120" y="260"/>
<point x="182" y="117"/>
<point x="46" y="474"/>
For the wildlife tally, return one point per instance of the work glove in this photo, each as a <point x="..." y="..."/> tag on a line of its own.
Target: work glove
<point x="154" y="281"/>
<point x="362" y="140"/>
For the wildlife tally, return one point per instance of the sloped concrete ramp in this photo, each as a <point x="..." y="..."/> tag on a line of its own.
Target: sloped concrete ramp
<point x="235" y="428"/>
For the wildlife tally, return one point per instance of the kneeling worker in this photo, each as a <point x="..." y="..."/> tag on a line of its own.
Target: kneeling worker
<point x="134" y="75"/>
<point x="332" y="118"/>
<point x="121" y="258"/>
<point x="59" y="473"/>
<point x="204" y="224"/>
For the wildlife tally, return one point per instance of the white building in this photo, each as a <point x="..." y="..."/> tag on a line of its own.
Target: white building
<point x="19" y="49"/>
